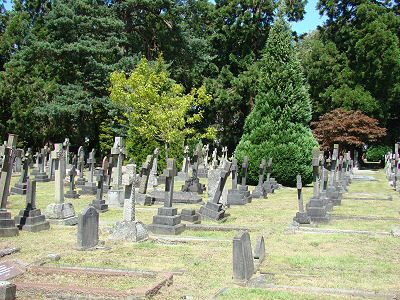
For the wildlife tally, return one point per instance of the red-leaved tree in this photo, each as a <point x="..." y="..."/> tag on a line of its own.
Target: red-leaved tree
<point x="350" y="129"/>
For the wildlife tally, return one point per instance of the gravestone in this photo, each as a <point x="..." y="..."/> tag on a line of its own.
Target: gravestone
<point x="235" y="195"/>
<point x="213" y="208"/>
<point x="105" y="165"/>
<point x="81" y="181"/>
<point x="214" y="163"/>
<point x="213" y="180"/>
<point x="99" y="203"/>
<point x="7" y="290"/>
<point x="202" y="170"/>
<point x="128" y="180"/>
<point x="301" y="216"/>
<point x="66" y="157"/>
<point x="31" y="218"/>
<point x="332" y="192"/>
<point x="184" y="173"/>
<point x="316" y="208"/>
<point x="193" y="184"/>
<point x="60" y="212"/>
<point x="259" y="250"/>
<point x="88" y="228"/>
<point x="72" y="194"/>
<point x="20" y="187"/>
<point x="153" y="172"/>
<point x="36" y="166"/>
<point x="168" y="221"/>
<point x="259" y="191"/>
<point x="7" y="224"/>
<point x="18" y="160"/>
<point x="268" y="185"/>
<point x="190" y="215"/>
<point x="243" y="186"/>
<point x="116" y="192"/>
<point x="243" y="263"/>
<point x="90" y="186"/>
<point x="142" y="196"/>
<point x="323" y="194"/>
<point x="41" y="175"/>
<point x="130" y="229"/>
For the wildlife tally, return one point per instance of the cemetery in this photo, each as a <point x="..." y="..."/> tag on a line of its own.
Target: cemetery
<point x="199" y="150"/>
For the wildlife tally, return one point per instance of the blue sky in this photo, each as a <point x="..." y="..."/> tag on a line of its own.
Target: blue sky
<point x="310" y="22"/>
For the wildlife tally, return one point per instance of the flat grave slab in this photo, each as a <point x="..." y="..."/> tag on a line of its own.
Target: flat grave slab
<point x="367" y="197"/>
<point x="93" y="283"/>
<point x="10" y="269"/>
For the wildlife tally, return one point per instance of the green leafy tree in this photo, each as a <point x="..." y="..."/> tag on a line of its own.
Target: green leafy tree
<point x="278" y="126"/>
<point x="157" y="108"/>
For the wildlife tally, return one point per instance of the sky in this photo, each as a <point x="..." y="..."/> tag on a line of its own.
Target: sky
<point x="310" y="22"/>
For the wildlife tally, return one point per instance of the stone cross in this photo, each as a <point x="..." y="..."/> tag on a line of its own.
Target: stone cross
<point x="81" y="161"/>
<point x="25" y="167"/>
<point x="185" y="164"/>
<point x="72" y="174"/>
<point x="118" y="150"/>
<point x="92" y="162"/>
<point x="334" y="158"/>
<point x="145" y="174"/>
<point x="221" y="182"/>
<point x="66" y="147"/>
<point x="215" y="159"/>
<point x="234" y="169"/>
<point x="245" y="167"/>
<point x="5" y="177"/>
<point x="169" y="174"/>
<point x="315" y="163"/>
<point x="99" y="180"/>
<point x="129" y="204"/>
<point x="31" y="195"/>
<point x="46" y="153"/>
<point x="58" y="157"/>
<point x="300" y="194"/>
<point x="262" y="172"/>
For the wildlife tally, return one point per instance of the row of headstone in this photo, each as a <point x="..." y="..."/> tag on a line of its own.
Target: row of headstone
<point x="327" y="189"/>
<point x="392" y="164"/>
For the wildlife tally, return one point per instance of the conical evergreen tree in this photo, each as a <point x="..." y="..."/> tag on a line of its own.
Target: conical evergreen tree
<point x="278" y="126"/>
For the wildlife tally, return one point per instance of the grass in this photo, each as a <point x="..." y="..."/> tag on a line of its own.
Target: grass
<point x="328" y="260"/>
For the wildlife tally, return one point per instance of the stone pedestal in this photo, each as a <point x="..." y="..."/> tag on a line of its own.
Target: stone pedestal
<point x="274" y="183"/>
<point x="7" y="225"/>
<point x="89" y="188"/>
<point x="213" y="211"/>
<point x="19" y="189"/>
<point x="133" y="231"/>
<point x="41" y="177"/>
<point x="31" y="220"/>
<point x="182" y="176"/>
<point x="179" y="197"/>
<point x="72" y="195"/>
<point x="144" y="199"/>
<point x="100" y="205"/>
<point x="116" y="197"/>
<point x="202" y="172"/>
<point x="193" y="185"/>
<point x="240" y="196"/>
<point x="167" y="221"/>
<point x="302" y="218"/>
<point x="61" y="214"/>
<point x="190" y="215"/>
<point x="259" y="192"/>
<point x="80" y="182"/>
<point x="7" y="290"/>
<point x="268" y="187"/>
<point x="334" y="195"/>
<point x="317" y="211"/>
<point x="328" y="203"/>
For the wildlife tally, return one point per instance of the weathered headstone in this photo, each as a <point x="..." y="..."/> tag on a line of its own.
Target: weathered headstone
<point x="213" y="208"/>
<point x="130" y="229"/>
<point x="193" y="184"/>
<point x="7" y="290"/>
<point x="153" y="172"/>
<point x="214" y="163"/>
<point x="88" y="228"/>
<point x="7" y="224"/>
<point x="243" y="262"/>
<point x="116" y="193"/>
<point x="105" y="165"/>
<point x="190" y="215"/>
<point x="203" y="163"/>
<point x="142" y="197"/>
<point x="60" y="212"/>
<point x="72" y="193"/>
<point x="167" y="221"/>
<point x="41" y="175"/>
<point x="235" y="195"/>
<point x="81" y="167"/>
<point x="301" y="217"/>
<point x="99" y="203"/>
<point x="213" y="180"/>
<point x="243" y="186"/>
<point x="90" y="187"/>
<point x="259" y="251"/>
<point x="31" y="218"/>
<point x="21" y="186"/>
<point x="259" y="191"/>
<point x="268" y="185"/>
<point x="333" y="193"/>
<point x="184" y="173"/>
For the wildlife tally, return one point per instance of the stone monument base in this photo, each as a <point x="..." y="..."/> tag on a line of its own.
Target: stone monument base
<point x="167" y="221"/>
<point x="178" y="197"/>
<point x="143" y="199"/>
<point x="80" y="182"/>
<point x="317" y="212"/>
<point x="61" y="214"/>
<point x="42" y="177"/>
<point x="19" y="189"/>
<point x="71" y="195"/>
<point x="213" y="211"/>
<point x="190" y="215"/>
<point x="182" y="176"/>
<point x="302" y="218"/>
<point x="7" y="225"/>
<point x="334" y="195"/>
<point x="259" y="192"/>
<point x="238" y="197"/>
<point x="116" y="197"/>
<point x="129" y="231"/>
<point x="89" y="189"/>
<point x="31" y="220"/>
<point x="100" y="205"/>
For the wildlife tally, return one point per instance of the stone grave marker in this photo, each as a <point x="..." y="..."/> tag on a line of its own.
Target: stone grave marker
<point x="105" y="165"/>
<point x="193" y="184"/>
<point x="259" y="251"/>
<point x="90" y="186"/>
<point x="88" y="228"/>
<point x="268" y="186"/>
<point x="116" y="192"/>
<point x="190" y="215"/>
<point x="41" y="175"/>
<point x="7" y="290"/>
<point x="202" y="163"/>
<point x="168" y="221"/>
<point x="72" y="193"/>
<point x="31" y="218"/>
<point x="81" y="181"/>
<point x="213" y="208"/>
<point x="99" y="203"/>
<point x="243" y="263"/>
<point x="130" y="229"/>
<point x="301" y="217"/>
<point x="142" y="196"/>
<point x="9" y="270"/>
<point x="60" y="212"/>
<point x="259" y="191"/>
<point x="235" y="195"/>
<point x="153" y="183"/>
<point x="214" y="163"/>
<point x="20" y="187"/>
<point x="184" y="173"/>
<point x="332" y="192"/>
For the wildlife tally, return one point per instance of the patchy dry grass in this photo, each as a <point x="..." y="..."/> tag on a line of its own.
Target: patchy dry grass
<point x="205" y="267"/>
